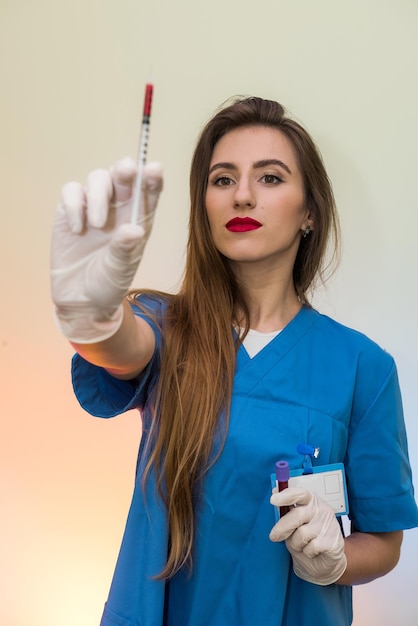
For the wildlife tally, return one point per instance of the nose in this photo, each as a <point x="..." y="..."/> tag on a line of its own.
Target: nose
<point x="244" y="195"/>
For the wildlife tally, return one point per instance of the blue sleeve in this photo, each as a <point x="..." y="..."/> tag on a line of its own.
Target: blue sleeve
<point x="377" y="464"/>
<point x="102" y="395"/>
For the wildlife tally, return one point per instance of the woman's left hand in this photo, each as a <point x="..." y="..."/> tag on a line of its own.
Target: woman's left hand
<point x="312" y="534"/>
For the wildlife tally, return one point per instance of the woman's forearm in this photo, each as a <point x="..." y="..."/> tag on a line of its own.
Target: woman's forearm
<point x="369" y="556"/>
<point x="127" y="352"/>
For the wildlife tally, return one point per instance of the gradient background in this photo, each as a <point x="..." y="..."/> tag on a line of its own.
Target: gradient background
<point x="72" y="82"/>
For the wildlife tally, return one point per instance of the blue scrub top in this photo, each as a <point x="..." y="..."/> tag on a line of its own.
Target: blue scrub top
<point x="317" y="382"/>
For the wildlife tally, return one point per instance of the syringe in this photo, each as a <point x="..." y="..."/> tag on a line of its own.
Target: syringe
<point x="143" y="148"/>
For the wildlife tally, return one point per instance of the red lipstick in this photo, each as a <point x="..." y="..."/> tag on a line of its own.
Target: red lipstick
<point x="242" y="225"/>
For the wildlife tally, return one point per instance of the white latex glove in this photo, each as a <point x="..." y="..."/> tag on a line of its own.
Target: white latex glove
<point x="312" y="534"/>
<point x="96" y="250"/>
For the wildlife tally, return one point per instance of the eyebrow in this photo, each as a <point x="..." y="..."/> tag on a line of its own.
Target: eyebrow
<point x="257" y="165"/>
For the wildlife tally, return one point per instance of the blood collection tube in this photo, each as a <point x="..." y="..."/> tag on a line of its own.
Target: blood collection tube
<point x="282" y="477"/>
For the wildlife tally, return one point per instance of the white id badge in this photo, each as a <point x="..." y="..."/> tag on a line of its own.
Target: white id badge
<point x="327" y="482"/>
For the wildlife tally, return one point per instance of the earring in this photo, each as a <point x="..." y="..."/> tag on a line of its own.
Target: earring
<point x="306" y="231"/>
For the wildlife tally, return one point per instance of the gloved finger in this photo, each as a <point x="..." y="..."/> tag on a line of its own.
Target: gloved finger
<point x="152" y="184"/>
<point x="125" y="241"/>
<point x="300" y="513"/>
<point x="302" y="539"/>
<point x="112" y="270"/>
<point x="124" y="252"/>
<point x="99" y="192"/>
<point x="287" y="524"/>
<point x="327" y="539"/>
<point x="73" y="204"/>
<point x="291" y="496"/>
<point x="152" y="181"/>
<point x="123" y="174"/>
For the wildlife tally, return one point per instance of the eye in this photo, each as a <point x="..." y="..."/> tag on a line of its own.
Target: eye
<point x="271" y="179"/>
<point x="222" y="181"/>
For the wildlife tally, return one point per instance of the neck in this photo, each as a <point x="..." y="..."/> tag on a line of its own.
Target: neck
<point x="271" y="297"/>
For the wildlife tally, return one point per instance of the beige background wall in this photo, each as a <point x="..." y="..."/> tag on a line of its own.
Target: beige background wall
<point x="72" y="80"/>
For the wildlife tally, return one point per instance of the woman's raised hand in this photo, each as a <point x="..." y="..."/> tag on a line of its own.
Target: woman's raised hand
<point x="96" y="249"/>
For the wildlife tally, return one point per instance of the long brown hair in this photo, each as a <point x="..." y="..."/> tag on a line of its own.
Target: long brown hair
<point x="198" y="356"/>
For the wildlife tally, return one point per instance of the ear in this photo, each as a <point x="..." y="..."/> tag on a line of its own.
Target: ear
<point x="308" y="225"/>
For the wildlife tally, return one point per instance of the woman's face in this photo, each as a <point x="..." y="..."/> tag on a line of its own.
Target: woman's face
<point x="255" y="197"/>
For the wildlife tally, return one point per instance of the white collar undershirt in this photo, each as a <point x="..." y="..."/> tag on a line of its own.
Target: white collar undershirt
<point x="255" y="341"/>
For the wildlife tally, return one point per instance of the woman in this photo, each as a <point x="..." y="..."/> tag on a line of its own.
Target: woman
<point x="230" y="375"/>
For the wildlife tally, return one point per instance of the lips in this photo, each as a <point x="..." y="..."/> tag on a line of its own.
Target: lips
<point x="242" y="225"/>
